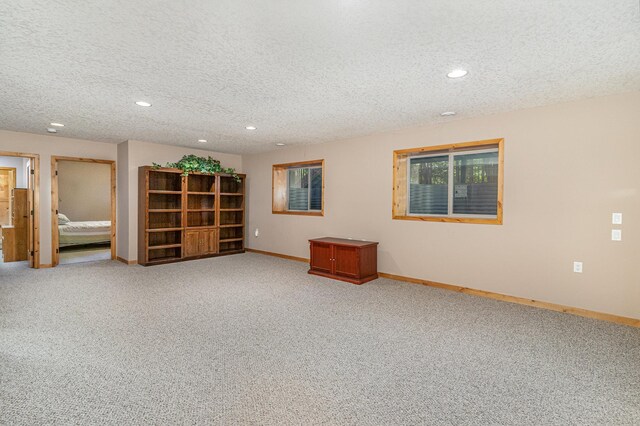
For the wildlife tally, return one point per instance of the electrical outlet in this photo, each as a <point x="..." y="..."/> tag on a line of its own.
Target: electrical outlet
<point x="616" y="235"/>
<point x="257" y="232"/>
<point x="577" y="267"/>
<point x="616" y="218"/>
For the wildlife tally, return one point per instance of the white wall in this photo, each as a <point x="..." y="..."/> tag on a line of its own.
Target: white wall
<point x="144" y="154"/>
<point x="129" y="156"/>
<point x="20" y="164"/>
<point x="567" y="168"/>
<point x="122" y="186"/>
<point x="84" y="190"/>
<point x="46" y="146"/>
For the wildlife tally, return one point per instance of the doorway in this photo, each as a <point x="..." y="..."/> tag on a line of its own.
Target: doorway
<point x="19" y="209"/>
<point x="83" y="210"/>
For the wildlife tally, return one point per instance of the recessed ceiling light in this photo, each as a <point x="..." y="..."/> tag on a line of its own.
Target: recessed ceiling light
<point x="52" y="130"/>
<point x="202" y="140"/>
<point x="280" y="144"/>
<point x="143" y="104"/>
<point x="457" y="73"/>
<point x="447" y="113"/>
<point x="250" y="127"/>
<point x="57" y="124"/>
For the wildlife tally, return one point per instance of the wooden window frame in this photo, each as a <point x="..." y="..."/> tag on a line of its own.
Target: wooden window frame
<point x="400" y="197"/>
<point x="279" y="188"/>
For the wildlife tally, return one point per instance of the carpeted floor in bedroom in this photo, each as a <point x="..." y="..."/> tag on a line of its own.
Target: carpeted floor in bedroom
<point x="251" y="339"/>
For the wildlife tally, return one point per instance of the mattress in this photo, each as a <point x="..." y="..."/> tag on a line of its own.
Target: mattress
<point x="90" y="232"/>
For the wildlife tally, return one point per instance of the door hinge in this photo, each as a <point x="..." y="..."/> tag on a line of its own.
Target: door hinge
<point x="33" y="172"/>
<point x="56" y="173"/>
<point x="31" y="212"/>
<point x="57" y="250"/>
<point x="56" y="211"/>
<point x="31" y="253"/>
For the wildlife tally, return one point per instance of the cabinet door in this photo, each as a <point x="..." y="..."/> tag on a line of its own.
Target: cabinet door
<point x="212" y="237"/>
<point x="9" y="245"/>
<point x="321" y="257"/>
<point x="346" y="261"/>
<point x="191" y="243"/>
<point x="203" y="242"/>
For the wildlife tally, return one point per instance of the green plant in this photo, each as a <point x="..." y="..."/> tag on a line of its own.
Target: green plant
<point x="193" y="163"/>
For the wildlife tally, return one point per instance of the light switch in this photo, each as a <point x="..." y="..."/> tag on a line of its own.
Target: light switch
<point x="616" y="235"/>
<point x="616" y="218"/>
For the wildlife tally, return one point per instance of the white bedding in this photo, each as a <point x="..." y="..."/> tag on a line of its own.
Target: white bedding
<point x="90" y="232"/>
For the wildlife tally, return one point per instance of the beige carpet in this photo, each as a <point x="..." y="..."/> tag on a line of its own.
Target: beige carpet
<point x="251" y="339"/>
<point x="85" y="254"/>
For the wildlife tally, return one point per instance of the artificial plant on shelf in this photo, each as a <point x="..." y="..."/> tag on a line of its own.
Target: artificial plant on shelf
<point x="193" y="163"/>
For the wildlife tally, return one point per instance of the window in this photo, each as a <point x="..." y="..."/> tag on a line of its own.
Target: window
<point x="449" y="183"/>
<point x="298" y="188"/>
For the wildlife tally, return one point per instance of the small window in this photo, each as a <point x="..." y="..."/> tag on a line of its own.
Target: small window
<point x="449" y="183"/>
<point x="298" y="188"/>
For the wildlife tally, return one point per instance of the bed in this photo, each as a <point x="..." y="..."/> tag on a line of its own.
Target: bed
<point x="82" y="233"/>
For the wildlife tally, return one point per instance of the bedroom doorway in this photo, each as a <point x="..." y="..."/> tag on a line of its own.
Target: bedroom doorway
<point x="19" y="210"/>
<point x="83" y="210"/>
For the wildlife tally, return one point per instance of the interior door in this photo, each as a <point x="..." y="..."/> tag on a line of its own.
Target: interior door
<point x="346" y="261"/>
<point x="55" y="236"/>
<point x="321" y="257"/>
<point x="30" y="207"/>
<point x="7" y="183"/>
<point x="21" y="222"/>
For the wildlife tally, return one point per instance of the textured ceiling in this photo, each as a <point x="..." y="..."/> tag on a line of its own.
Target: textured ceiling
<point x="301" y="71"/>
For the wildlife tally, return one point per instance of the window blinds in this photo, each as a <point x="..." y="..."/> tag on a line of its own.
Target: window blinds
<point x="305" y="189"/>
<point x="428" y="185"/>
<point x="475" y="178"/>
<point x="474" y="187"/>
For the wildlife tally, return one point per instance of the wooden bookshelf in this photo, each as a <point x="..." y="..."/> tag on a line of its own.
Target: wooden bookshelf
<point x="188" y="217"/>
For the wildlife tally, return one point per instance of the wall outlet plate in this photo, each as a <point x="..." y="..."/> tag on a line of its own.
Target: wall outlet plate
<point x="577" y="267"/>
<point x="616" y="218"/>
<point x="616" y="235"/>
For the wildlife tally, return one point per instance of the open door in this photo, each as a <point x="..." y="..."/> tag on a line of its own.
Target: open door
<point x="31" y="209"/>
<point x="27" y="202"/>
<point x="55" y="235"/>
<point x="55" y="203"/>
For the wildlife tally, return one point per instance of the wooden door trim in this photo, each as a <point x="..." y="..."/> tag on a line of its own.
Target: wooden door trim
<point x="55" y="256"/>
<point x="34" y="220"/>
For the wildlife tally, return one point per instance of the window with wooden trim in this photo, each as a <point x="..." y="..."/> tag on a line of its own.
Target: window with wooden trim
<point x="298" y="188"/>
<point x="450" y="183"/>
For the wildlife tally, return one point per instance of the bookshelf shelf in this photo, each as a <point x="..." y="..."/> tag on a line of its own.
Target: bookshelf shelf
<point x="187" y="217"/>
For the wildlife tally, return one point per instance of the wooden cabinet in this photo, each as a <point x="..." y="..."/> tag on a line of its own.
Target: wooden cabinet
<point x="20" y="219"/>
<point x="15" y="238"/>
<point x="9" y="249"/>
<point x="186" y="217"/>
<point x="347" y="260"/>
<point x="321" y="257"/>
<point x="200" y="243"/>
